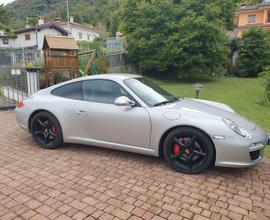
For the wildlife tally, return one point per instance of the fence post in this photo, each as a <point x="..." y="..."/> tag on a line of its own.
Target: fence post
<point x="32" y="80"/>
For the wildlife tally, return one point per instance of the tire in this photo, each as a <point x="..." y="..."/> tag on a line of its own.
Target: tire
<point x="46" y="130"/>
<point x="188" y="150"/>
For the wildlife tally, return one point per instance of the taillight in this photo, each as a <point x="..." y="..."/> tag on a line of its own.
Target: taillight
<point x="20" y="104"/>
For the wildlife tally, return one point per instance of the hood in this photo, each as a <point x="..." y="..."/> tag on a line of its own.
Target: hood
<point x="213" y="109"/>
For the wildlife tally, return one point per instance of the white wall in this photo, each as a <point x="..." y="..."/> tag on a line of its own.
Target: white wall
<point x="9" y="45"/>
<point x="36" y="39"/>
<point x="46" y="32"/>
<point x="21" y="42"/>
<point x="75" y="32"/>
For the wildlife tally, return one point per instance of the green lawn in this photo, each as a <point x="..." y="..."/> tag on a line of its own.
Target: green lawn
<point x="240" y="93"/>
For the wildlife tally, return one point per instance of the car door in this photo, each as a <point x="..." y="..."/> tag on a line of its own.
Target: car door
<point x="101" y="120"/>
<point x="65" y="99"/>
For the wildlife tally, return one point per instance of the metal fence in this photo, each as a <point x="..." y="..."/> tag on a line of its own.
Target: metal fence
<point x="15" y="83"/>
<point x="19" y="58"/>
<point x="114" y="45"/>
<point x="13" y="87"/>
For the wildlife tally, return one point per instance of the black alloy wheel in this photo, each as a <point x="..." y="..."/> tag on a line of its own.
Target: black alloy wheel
<point x="46" y="130"/>
<point x="188" y="150"/>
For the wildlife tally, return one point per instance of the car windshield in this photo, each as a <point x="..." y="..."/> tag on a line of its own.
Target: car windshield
<point x="149" y="93"/>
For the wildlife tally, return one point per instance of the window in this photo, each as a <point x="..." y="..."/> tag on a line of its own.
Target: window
<point x="88" y="37"/>
<point x="80" y="35"/>
<point x="103" y="91"/>
<point x="58" y="53"/>
<point x="28" y="57"/>
<point x="252" y="19"/>
<point x="27" y="37"/>
<point x="5" y="41"/>
<point x="268" y="17"/>
<point x="70" y="91"/>
<point x="150" y="93"/>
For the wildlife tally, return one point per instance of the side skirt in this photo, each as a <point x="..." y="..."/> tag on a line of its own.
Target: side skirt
<point x="113" y="146"/>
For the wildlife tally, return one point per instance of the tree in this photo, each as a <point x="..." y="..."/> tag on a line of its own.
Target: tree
<point x="165" y="35"/>
<point x="151" y="32"/>
<point x="4" y="18"/>
<point x="248" y="2"/>
<point x="101" y="13"/>
<point x="204" y="46"/>
<point x="254" y="53"/>
<point x="221" y="11"/>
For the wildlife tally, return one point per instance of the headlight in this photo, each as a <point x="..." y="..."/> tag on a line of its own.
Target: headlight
<point x="236" y="129"/>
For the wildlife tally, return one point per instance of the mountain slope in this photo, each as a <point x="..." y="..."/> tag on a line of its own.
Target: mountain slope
<point x="96" y="12"/>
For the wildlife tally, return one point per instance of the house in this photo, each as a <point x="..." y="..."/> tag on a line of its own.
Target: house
<point x="252" y="16"/>
<point x="6" y="40"/>
<point x="81" y="32"/>
<point x="33" y="37"/>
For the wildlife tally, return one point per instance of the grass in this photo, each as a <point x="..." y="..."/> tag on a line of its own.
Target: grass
<point x="239" y="93"/>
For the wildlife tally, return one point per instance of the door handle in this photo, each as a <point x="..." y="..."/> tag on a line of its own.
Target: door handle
<point x="81" y="112"/>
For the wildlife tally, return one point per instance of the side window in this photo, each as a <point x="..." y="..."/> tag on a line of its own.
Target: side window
<point x="70" y="91"/>
<point x="103" y="91"/>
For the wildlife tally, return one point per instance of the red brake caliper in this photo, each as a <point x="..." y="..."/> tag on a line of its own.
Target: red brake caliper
<point x="176" y="147"/>
<point x="54" y="130"/>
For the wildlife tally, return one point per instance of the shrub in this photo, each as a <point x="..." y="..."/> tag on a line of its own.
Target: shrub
<point x="265" y="76"/>
<point x="254" y="53"/>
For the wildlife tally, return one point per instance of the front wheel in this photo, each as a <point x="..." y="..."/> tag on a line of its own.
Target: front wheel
<point x="188" y="150"/>
<point x="46" y="130"/>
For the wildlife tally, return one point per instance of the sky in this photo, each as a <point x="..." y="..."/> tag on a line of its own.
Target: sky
<point x="5" y="1"/>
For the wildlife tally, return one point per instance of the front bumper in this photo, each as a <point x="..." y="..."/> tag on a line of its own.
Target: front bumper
<point x="236" y="151"/>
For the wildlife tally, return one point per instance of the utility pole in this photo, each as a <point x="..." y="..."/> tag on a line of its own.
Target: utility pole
<point x="68" y="18"/>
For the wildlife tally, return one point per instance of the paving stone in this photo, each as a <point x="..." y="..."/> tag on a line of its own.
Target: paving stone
<point x="84" y="182"/>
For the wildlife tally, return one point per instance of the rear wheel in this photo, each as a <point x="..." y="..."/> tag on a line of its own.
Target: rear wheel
<point x="188" y="150"/>
<point x="46" y="130"/>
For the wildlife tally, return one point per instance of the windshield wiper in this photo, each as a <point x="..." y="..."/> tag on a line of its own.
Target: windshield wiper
<point x="166" y="102"/>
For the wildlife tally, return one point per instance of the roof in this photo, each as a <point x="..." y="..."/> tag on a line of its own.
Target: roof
<point x="41" y="27"/>
<point x="267" y="26"/>
<point x="120" y="76"/>
<point x="264" y="4"/>
<point x="85" y="26"/>
<point x="62" y="42"/>
<point x="108" y="76"/>
<point x="8" y="36"/>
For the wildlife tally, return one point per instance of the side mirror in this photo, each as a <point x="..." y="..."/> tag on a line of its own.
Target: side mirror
<point x="124" y="101"/>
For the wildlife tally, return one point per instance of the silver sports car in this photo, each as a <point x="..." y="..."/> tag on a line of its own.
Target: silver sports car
<point x="130" y="113"/>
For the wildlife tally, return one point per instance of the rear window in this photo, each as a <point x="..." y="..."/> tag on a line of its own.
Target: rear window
<point x="70" y="91"/>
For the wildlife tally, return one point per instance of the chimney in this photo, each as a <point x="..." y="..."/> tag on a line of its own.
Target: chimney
<point x="27" y="23"/>
<point x="71" y="18"/>
<point x="40" y="20"/>
<point x="243" y="5"/>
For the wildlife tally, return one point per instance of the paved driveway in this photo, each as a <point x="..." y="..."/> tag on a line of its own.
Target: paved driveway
<point x="79" y="182"/>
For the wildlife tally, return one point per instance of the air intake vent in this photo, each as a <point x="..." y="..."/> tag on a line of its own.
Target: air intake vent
<point x="254" y="155"/>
